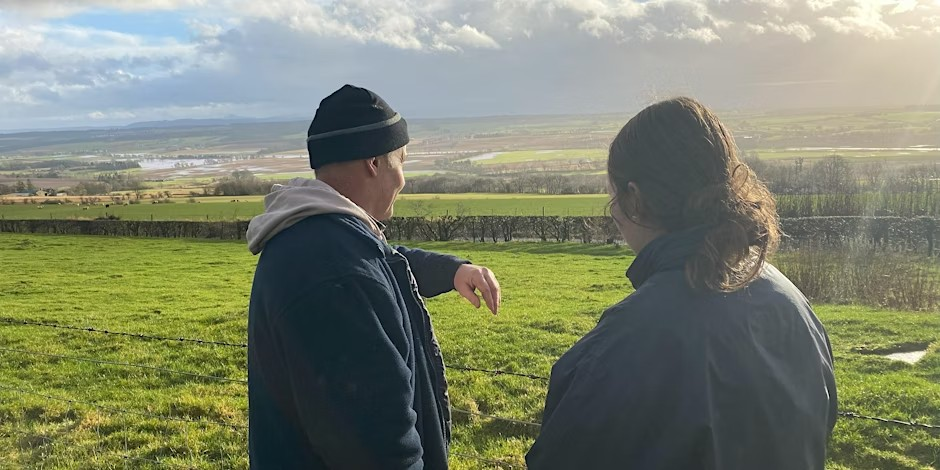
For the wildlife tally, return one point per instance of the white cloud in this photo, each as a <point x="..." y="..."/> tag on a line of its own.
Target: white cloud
<point x="755" y="28"/>
<point x="705" y="35"/>
<point x="798" y="30"/>
<point x="258" y="56"/>
<point x="415" y="25"/>
<point x="819" y="5"/>
<point x="45" y="64"/>
<point x="866" y="17"/>
<point x="775" y="4"/>
<point x="64" y="8"/>
<point x="204" y="30"/>
<point x="647" y="32"/>
<point x="15" y="41"/>
<point x="465" y="36"/>
<point x="597" y="27"/>
<point x="904" y="6"/>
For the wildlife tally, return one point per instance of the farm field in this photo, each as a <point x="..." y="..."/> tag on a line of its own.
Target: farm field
<point x="187" y="157"/>
<point x="519" y="156"/>
<point x="553" y="294"/>
<point x="216" y="208"/>
<point x="223" y="208"/>
<point x="900" y="155"/>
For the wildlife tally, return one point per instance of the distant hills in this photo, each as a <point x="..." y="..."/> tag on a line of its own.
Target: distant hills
<point x="207" y="122"/>
<point x="862" y="128"/>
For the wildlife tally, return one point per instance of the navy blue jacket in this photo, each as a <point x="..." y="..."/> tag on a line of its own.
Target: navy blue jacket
<point x="344" y="370"/>
<point x="673" y="378"/>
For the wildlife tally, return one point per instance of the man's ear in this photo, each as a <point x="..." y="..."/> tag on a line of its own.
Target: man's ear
<point x="372" y="166"/>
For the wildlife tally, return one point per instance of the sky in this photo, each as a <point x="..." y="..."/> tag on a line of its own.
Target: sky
<point x="71" y="63"/>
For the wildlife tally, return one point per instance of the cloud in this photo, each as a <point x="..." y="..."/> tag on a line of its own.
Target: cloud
<point x="597" y="27"/>
<point x="64" y="8"/>
<point x="705" y="35"/>
<point x="439" y="56"/>
<point x="865" y="18"/>
<point x="755" y="28"/>
<point x="798" y="30"/>
<point x="451" y="37"/>
<point x="818" y="5"/>
<point x="904" y="6"/>
<point x="44" y="64"/>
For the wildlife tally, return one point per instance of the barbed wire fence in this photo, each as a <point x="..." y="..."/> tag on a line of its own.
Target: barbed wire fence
<point x="241" y="427"/>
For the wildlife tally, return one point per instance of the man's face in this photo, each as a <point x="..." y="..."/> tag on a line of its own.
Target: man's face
<point x="392" y="179"/>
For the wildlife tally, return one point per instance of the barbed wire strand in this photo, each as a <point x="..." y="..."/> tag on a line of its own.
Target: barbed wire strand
<point x="122" y="411"/>
<point x="221" y="343"/>
<point x="13" y="321"/>
<point x="852" y="414"/>
<point x="124" y="364"/>
<point x="498" y="372"/>
<point x="494" y="417"/>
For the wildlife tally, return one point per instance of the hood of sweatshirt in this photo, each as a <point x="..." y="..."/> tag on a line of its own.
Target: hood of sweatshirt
<point x="300" y="198"/>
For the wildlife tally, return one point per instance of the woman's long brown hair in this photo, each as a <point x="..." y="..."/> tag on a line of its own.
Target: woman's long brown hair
<point x="686" y="165"/>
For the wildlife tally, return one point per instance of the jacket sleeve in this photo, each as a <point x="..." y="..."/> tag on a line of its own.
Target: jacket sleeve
<point x="434" y="272"/>
<point x="345" y="353"/>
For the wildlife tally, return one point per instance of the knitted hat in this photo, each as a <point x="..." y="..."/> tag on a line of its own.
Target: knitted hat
<point x="354" y="124"/>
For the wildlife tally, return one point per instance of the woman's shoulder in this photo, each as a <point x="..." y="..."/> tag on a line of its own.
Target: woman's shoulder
<point x="664" y="292"/>
<point x="667" y="302"/>
<point x="653" y="310"/>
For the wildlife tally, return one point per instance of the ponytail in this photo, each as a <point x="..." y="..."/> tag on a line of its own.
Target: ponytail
<point x="745" y="234"/>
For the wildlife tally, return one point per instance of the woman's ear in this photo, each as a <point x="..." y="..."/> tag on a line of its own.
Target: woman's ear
<point x="635" y="201"/>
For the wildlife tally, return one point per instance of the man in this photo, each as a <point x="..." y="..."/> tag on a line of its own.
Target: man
<point x="344" y="368"/>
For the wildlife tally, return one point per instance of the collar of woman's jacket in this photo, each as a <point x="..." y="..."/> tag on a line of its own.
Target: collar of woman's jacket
<point x="666" y="253"/>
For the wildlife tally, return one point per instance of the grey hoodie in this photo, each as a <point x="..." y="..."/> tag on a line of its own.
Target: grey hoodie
<point x="300" y="198"/>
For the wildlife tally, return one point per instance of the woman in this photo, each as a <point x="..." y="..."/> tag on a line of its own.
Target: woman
<point x="716" y="361"/>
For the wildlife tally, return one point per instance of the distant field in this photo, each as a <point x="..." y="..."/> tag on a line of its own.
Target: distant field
<point x="893" y="155"/>
<point x="499" y="158"/>
<point x="284" y="176"/>
<point x="222" y="208"/>
<point x="180" y="210"/>
<point x="501" y="204"/>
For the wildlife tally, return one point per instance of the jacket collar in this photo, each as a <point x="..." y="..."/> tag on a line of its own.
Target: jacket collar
<point x="668" y="252"/>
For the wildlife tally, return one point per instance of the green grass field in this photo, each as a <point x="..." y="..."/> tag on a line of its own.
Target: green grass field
<point x="222" y="208"/>
<point x="553" y="294"/>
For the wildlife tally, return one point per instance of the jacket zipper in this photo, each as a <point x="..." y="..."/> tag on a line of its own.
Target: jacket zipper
<point x="413" y="288"/>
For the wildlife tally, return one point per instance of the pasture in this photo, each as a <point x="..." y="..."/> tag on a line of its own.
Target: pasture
<point x="520" y="156"/>
<point x="894" y="156"/>
<point x="59" y="410"/>
<point x="469" y="204"/>
<point x="223" y="208"/>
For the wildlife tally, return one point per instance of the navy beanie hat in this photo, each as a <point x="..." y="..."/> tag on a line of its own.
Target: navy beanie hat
<point x="354" y="124"/>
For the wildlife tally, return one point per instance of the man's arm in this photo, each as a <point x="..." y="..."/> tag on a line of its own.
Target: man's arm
<point x="344" y="348"/>
<point x="434" y="272"/>
<point x="437" y="273"/>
